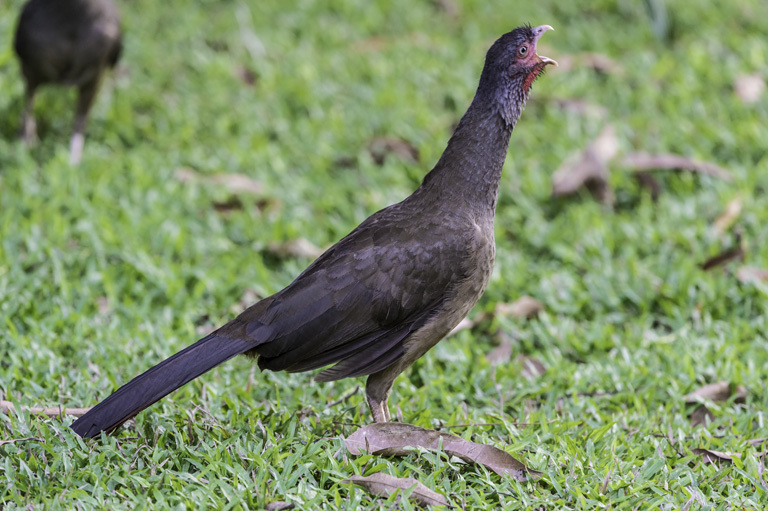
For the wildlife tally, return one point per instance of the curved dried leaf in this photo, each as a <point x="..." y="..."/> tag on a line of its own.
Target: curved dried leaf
<point x="590" y="169"/>
<point x="710" y="456"/>
<point x="395" y="439"/>
<point x="645" y="161"/>
<point x="752" y="274"/>
<point x="280" y="506"/>
<point x="728" y="216"/>
<point x="719" y="391"/>
<point x="701" y="415"/>
<point x="523" y="307"/>
<point x="53" y="411"/>
<point x="749" y="88"/>
<point x="17" y="440"/>
<point x="300" y="247"/>
<point x="380" y="147"/>
<point x="532" y="368"/>
<point x="384" y="485"/>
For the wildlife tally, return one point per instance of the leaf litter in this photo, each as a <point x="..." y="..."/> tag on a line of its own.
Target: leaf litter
<point x="384" y="485"/>
<point x="398" y="439"/>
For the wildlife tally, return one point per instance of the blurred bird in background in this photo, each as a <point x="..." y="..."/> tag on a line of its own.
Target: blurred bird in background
<point x="71" y="43"/>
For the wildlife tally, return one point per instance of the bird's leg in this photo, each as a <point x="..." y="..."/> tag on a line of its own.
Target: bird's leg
<point x="377" y="390"/>
<point x="84" y="101"/>
<point x="28" y="126"/>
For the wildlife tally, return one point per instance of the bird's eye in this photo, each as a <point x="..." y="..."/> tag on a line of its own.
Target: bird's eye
<point x="522" y="51"/>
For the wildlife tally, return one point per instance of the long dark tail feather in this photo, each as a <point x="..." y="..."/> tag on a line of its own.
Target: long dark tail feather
<point x="158" y="382"/>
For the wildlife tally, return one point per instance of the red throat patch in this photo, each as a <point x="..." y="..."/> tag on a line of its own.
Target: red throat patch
<point x="530" y="78"/>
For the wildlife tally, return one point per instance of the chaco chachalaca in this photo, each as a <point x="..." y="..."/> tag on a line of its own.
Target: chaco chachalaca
<point x="390" y="290"/>
<point x="66" y="42"/>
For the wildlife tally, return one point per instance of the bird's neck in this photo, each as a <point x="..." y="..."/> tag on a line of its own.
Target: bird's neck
<point x="469" y="171"/>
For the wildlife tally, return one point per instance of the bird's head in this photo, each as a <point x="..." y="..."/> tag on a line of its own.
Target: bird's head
<point x="511" y="67"/>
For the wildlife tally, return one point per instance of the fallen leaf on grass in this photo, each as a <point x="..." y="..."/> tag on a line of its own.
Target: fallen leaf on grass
<point x="710" y="456"/>
<point x="752" y="274"/>
<point x="384" y="485"/>
<point x="728" y="216"/>
<point x="749" y="88"/>
<point x="247" y="76"/>
<point x="646" y="161"/>
<point x="227" y="206"/>
<point x="590" y="169"/>
<point x="238" y="183"/>
<point x="724" y="257"/>
<point x="300" y="247"/>
<point x="700" y="416"/>
<point x="380" y="147"/>
<point x="719" y="391"/>
<point x="280" y="506"/>
<point x="54" y="411"/>
<point x="501" y="353"/>
<point x="235" y="183"/>
<point x="18" y="440"/>
<point x="523" y="307"/>
<point x="532" y="368"/>
<point x="395" y="439"/>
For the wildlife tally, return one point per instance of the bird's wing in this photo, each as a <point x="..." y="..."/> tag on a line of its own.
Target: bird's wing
<point x="357" y="303"/>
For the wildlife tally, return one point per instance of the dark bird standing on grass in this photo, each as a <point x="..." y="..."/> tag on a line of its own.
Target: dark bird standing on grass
<point x="66" y="42"/>
<point x="390" y="290"/>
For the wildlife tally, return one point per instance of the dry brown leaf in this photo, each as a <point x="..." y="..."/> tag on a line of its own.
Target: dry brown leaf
<point x="235" y="183"/>
<point x="280" y="506"/>
<point x="227" y="206"/>
<point x="380" y="147"/>
<point x="725" y="257"/>
<point x="752" y="274"/>
<point x="395" y="439"/>
<point x="54" y="411"/>
<point x="532" y="368"/>
<point x="590" y="170"/>
<point x="300" y="247"/>
<point x="18" y="440"/>
<point x="185" y="175"/>
<point x="710" y="456"/>
<point x="749" y="88"/>
<point x="384" y="485"/>
<point x="757" y="441"/>
<point x="719" y="391"/>
<point x="500" y="354"/>
<point x="646" y="161"/>
<point x="523" y="307"/>
<point x="728" y="216"/>
<point x="701" y="416"/>
<point x="238" y="183"/>
<point x="247" y="76"/>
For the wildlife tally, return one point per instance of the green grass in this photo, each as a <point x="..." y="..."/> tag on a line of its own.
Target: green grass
<point x="108" y="268"/>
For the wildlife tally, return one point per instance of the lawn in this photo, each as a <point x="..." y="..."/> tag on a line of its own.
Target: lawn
<point x="334" y="110"/>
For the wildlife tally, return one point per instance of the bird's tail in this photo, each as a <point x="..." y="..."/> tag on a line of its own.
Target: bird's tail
<point x="161" y="380"/>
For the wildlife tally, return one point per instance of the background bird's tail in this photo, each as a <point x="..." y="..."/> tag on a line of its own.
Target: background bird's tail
<point x="159" y="381"/>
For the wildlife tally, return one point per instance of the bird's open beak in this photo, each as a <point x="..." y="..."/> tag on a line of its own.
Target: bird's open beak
<point x="537" y="33"/>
